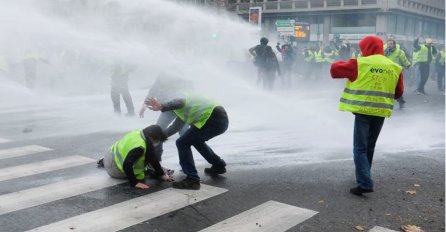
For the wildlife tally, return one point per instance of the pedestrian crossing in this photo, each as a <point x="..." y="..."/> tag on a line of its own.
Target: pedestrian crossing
<point x="4" y="140"/>
<point x="37" y="196"/>
<point x="131" y="212"/>
<point x="43" y="166"/>
<point x="22" y="151"/>
<point x="268" y="216"/>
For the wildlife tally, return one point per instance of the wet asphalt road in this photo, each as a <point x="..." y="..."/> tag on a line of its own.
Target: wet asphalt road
<point x="320" y="186"/>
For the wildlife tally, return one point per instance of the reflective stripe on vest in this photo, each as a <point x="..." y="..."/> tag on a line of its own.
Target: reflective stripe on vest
<point x="372" y="93"/>
<point x="328" y="57"/>
<point x="318" y="56"/>
<point x="196" y="111"/>
<point x="121" y="149"/>
<point x="414" y="58"/>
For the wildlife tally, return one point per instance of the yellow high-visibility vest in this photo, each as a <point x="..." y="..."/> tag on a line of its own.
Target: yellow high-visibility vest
<point x="196" y="111"/>
<point x="398" y="56"/>
<point x="318" y="56"/>
<point x="373" y="91"/>
<point x="121" y="148"/>
<point x="423" y="53"/>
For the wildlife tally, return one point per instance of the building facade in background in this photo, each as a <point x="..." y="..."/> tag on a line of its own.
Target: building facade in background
<point x="332" y="20"/>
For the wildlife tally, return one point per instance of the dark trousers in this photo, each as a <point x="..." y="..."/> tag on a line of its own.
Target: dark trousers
<point x="365" y="135"/>
<point x="217" y="124"/>
<point x="440" y="77"/>
<point x="424" y="75"/>
<point x="287" y="72"/>
<point x="268" y="77"/>
<point x="116" y="93"/>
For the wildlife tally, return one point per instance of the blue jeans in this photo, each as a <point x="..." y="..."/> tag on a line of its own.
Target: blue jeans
<point x="365" y="135"/>
<point x="217" y="124"/>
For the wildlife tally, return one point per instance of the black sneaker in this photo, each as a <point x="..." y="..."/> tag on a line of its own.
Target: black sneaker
<point x="187" y="184"/>
<point x="100" y="163"/>
<point x="215" y="170"/>
<point x="358" y="191"/>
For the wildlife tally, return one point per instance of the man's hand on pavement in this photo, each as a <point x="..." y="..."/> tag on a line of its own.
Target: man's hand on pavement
<point x="141" y="186"/>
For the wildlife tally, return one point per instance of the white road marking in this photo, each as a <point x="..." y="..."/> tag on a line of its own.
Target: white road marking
<point x="4" y="140"/>
<point x="21" y="151"/>
<point x="125" y="214"/>
<point x="43" y="166"/>
<point x="52" y="192"/>
<point x="270" y="216"/>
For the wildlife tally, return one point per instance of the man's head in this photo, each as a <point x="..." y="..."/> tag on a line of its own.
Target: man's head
<point x="264" y="41"/>
<point x="429" y="42"/>
<point x="391" y="43"/>
<point x="154" y="134"/>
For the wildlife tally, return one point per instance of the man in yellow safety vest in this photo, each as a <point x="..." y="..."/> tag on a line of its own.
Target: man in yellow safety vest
<point x="374" y="81"/>
<point x="426" y="52"/>
<point x="207" y="120"/>
<point x="393" y="51"/>
<point x="129" y="156"/>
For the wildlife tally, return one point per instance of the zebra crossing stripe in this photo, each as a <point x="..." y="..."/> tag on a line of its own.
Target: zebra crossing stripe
<point x="125" y="214"/>
<point x="4" y="140"/>
<point x="381" y="229"/>
<point x="43" y="166"/>
<point x="270" y="216"/>
<point x="21" y="151"/>
<point x="44" y="194"/>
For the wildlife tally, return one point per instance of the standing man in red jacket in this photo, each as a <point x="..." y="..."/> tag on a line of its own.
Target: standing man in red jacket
<point x="374" y="81"/>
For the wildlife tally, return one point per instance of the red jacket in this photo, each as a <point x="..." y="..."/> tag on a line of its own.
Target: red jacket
<point x="370" y="45"/>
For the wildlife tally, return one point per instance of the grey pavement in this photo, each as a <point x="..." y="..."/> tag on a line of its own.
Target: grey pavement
<point x="409" y="184"/>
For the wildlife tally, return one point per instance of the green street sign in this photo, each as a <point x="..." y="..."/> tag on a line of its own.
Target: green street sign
<point x="285" y="23"/>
